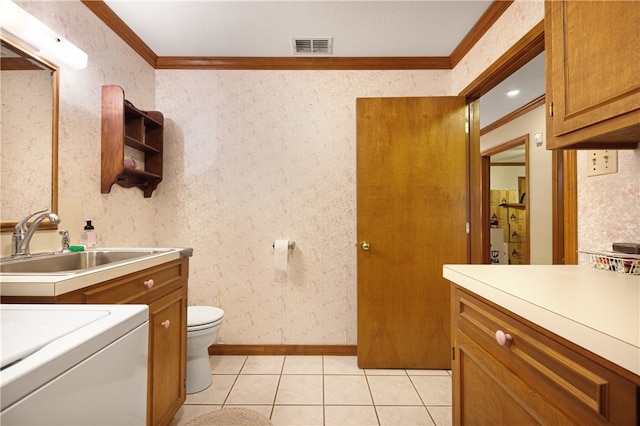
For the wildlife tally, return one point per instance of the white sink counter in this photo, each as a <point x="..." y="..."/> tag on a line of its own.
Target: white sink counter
<point x="57" y="284"/>
<point x="596" y="309"/>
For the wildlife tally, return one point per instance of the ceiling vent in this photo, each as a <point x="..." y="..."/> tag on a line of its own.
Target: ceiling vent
<point x="313" y="46"/>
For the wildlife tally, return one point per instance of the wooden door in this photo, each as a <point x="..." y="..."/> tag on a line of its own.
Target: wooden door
<point x="412" y="213"/>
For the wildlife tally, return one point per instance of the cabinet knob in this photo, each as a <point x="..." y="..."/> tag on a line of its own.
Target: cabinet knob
<point x="503" y="339"/>
<point x="165" y="323"/>
<point x="149" y="283"/>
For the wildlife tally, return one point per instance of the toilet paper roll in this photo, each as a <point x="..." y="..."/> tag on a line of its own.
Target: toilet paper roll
<point x="281" y="255"/>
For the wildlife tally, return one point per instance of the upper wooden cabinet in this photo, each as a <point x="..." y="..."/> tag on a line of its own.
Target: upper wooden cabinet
<point x="593" y="74"/>
<point x="142" y="131"/>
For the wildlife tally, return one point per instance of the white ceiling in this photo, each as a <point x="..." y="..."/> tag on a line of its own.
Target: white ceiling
<point x="529" y="79"/>
<point x="265" y="28"/>
<point x="359" y="28"/>
<point x="512" y="155"/>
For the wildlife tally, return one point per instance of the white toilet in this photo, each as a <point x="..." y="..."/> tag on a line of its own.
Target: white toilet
<point x="203" y="323"/>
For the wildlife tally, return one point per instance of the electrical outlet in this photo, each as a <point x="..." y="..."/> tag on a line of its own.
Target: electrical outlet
<point x="602" y="162"/>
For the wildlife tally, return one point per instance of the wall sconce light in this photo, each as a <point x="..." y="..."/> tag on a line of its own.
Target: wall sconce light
<point x="42" y="39"/>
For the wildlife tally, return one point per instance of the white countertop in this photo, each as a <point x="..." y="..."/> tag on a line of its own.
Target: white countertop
<point x="61" y="283"/>
<point x="596" y="309"/>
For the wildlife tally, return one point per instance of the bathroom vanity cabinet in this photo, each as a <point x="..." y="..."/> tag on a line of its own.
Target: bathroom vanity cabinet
<point x="164" y="289"/>
<point x="592" y="85"/>
<point x="507" y="370"/>
<point x="125" y="125"/>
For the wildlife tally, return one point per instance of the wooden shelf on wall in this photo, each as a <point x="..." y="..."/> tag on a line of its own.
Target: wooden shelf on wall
<point x="514" y="205"/>
<point x="125" y="125"/>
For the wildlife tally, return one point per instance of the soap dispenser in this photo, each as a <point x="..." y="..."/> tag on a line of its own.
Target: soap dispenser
<point x="89" y="237"/>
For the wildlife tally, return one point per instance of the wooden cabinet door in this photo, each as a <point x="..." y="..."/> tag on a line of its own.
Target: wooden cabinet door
<point x="487" y="393"/>
<point x="593" y="66"/>
<point x="167" y="391"/>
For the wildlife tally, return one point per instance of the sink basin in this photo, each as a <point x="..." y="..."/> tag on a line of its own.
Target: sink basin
<point x="71" y="262"/>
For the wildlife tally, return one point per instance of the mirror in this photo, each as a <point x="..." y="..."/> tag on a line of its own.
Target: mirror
<point x="28" y="134"/>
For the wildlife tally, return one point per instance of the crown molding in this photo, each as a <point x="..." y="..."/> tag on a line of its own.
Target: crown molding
<point x="122" y="30"/>
<point x="485" y="22"/>
<point x="305" y="63"/>
<point x="104" y="13"/>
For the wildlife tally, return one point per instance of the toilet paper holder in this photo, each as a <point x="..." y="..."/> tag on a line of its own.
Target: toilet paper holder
<point x="291" y="245"/>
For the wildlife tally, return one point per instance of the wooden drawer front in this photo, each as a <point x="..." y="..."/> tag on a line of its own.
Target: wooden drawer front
<point x="565" y="378"/>
<point x="138" y="287"/>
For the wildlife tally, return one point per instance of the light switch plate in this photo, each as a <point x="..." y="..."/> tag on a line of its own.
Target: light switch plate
<point x="602" y="162"/>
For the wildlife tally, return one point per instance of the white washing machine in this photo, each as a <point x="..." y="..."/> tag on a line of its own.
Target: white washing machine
<point x="73" y="364"/>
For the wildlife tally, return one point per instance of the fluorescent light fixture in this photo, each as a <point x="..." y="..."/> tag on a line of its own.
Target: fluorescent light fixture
<point x="513" y="92"/>
<point x="39" y="37"/>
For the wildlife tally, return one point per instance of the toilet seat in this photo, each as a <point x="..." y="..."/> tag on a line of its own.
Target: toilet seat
<point x="202" y="317"/>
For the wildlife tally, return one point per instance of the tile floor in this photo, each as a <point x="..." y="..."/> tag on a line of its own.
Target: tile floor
<point x="323" y="390"/>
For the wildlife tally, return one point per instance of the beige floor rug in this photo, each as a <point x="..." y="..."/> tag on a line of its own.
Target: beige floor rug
<point x="229" y="417"/>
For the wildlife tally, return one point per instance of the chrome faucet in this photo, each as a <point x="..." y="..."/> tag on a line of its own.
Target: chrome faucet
<point x="22" y="233"/>
<point x="65" y="240"/>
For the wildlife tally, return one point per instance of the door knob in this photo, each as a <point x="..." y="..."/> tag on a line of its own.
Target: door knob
<point x="365" y="246"/>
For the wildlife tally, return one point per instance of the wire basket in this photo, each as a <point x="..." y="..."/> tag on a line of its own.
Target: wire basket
<point x="621" y="263"/>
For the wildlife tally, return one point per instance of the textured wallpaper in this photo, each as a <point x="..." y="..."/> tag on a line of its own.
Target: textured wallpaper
<point x="514" y="24"/>
<point x="257" y="156"/>
<point x="263" y="155"/>
<point x="609" y="205"/>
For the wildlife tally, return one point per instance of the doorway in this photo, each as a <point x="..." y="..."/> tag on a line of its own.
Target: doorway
<point x="564" y="174"/>
<point x="509" y="200"/>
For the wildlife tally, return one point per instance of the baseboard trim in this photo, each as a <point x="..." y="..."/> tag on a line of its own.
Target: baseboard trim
<point x="220" y="349"/>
